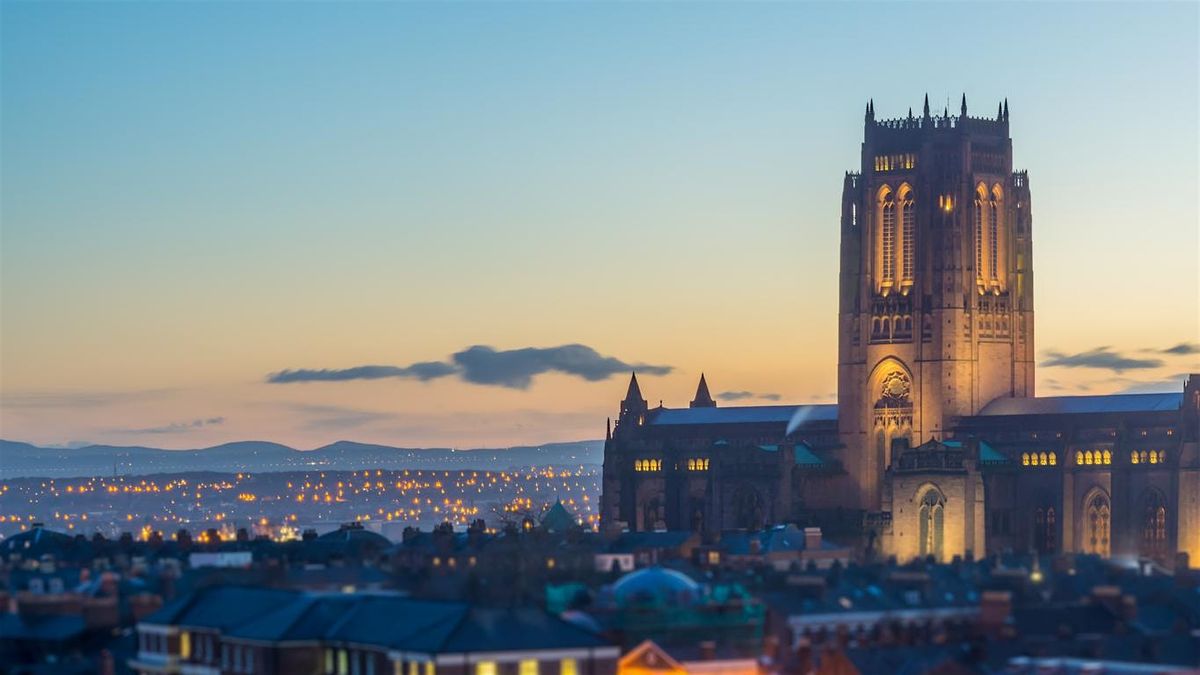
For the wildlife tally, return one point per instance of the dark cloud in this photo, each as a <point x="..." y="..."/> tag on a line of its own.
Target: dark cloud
<point x="743" y="395"/>
<point x="178" y="427"/>
<point x="1182" y="349"/>
<point x="513" y="368"/>
<point x="428" y="370"/>
<point x="1102" y="358"/>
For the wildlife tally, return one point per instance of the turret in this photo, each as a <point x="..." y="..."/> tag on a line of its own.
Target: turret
<point x="964" y="106"/>
<point x="633" y="408"/>
<point x="703" y="398"/>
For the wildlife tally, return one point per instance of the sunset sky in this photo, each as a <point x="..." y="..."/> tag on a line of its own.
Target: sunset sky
<point x="198" y="199"/>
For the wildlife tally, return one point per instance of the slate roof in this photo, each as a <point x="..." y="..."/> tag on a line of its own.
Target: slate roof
<point x="1057" y="405"/>
<point x="755" y="414"/>
<point x="385" y="620"/>
<point x="221" y="607"/>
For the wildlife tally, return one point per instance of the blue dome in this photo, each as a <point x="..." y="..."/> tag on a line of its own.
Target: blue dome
<point x="656" y="585"/>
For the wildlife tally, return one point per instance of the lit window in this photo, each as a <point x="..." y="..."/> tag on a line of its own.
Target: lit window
<point x="414" y="668"/>
<point x="994" y="242"/>
<point x="909" y="228"/>
<point x="887" y="268"/>
<point x="568" y="667"/>
<point x="1024" y="459"/>
<point x="185" y="645"/>
<point x="1153" y="457"/>
<point x="343" y="662"/>
<point x="1078" y="457"/>
<point x="1133" y="457"/>
<point x="527" y="667"/>
<point x="485" y="668"/>
<point x="1107" y="457"/>
<point x="1053" y="456"/>
<point x="430" y="668"/>
<point x="979" y="234"/>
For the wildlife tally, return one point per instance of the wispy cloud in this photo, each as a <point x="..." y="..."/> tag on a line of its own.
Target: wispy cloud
<point x="1101" y="358"/>
<point x="424" y="371"/>
<point x="512" y="368"/>
<point x="743" y="395"/>
<point x="179" y="427"/>
<point x="1182" y="349"/>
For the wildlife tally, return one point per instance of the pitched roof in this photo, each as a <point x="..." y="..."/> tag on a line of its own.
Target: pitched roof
<point x="1056" y="405"/>
<point x="755" y="414"/>
<point x="558" y="518"/>
<point x="703" y="398"/>
<point x="222" y="607"/>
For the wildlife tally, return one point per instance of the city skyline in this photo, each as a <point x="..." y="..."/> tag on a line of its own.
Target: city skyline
<point x="204" y="245"/>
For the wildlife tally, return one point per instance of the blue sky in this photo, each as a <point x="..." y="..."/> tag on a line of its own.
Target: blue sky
<point x="196" y="195"/>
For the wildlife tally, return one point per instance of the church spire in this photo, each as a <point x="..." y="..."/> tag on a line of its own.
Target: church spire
<point x="999" y="112"/>
<point x="925" y="114"/>
<point x="964" y="105"/>
<point x="635" y="392"/>
<point x="703" y="398"/>
<point x="633" y="408"/>
<point x="1006" y="109"/>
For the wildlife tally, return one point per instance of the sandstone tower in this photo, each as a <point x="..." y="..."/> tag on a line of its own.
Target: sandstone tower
<point x="936" y="287"/>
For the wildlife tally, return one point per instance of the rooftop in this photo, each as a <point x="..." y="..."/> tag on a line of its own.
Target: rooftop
<point x="1057" y="405"/>
<point x="757" y="414"/>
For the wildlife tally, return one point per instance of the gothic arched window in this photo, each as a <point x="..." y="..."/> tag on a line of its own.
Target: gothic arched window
<point x="1097" y="520"/>
<point x="908" y="229"/>
<point x="994" y="234"/>
<point x="1154" y="525"/>
<point x="980" y="205"/>
<point x="887" y="233"/>
<point x="1045" y="530"/>
<point x="932" y="515"/>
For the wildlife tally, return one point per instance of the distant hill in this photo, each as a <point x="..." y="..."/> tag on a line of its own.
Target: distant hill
<point x="22" y="459"/>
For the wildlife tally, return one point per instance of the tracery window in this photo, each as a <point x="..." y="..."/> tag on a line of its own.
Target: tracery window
<point x="1045" y="530"/>
<point x="1154" y="525"/>
<point x="980" y="203"/>
<point x="1098" y="516"/>
<point x="908" y="233"/>
<point x="994" y="241"/>
<point x="932" y="517"/>
<point x="888" y="234"/>
<point x="697" y="464"/>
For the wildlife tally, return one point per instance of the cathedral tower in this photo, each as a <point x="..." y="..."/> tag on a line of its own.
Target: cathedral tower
<point x="936" y="287"/>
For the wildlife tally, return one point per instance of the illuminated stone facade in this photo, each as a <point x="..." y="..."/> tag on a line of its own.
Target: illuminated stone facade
<point x="936" y="445"/>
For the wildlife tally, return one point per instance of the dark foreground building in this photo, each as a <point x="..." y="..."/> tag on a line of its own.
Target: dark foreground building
<point x="275" y="631"/>
<point x="937" y="444"/>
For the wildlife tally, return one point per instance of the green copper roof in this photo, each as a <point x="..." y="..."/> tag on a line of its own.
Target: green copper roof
<point x="989" y="454"/>
<point x="805" y="457"/>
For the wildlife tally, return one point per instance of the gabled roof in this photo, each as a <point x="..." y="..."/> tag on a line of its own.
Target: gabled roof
<point x="1057" y="405"/>
<point x="756" y="414"/>
<point x="222" y="607"/>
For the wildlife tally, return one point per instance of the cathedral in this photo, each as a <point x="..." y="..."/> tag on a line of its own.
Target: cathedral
<point x="937" y="445"/>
